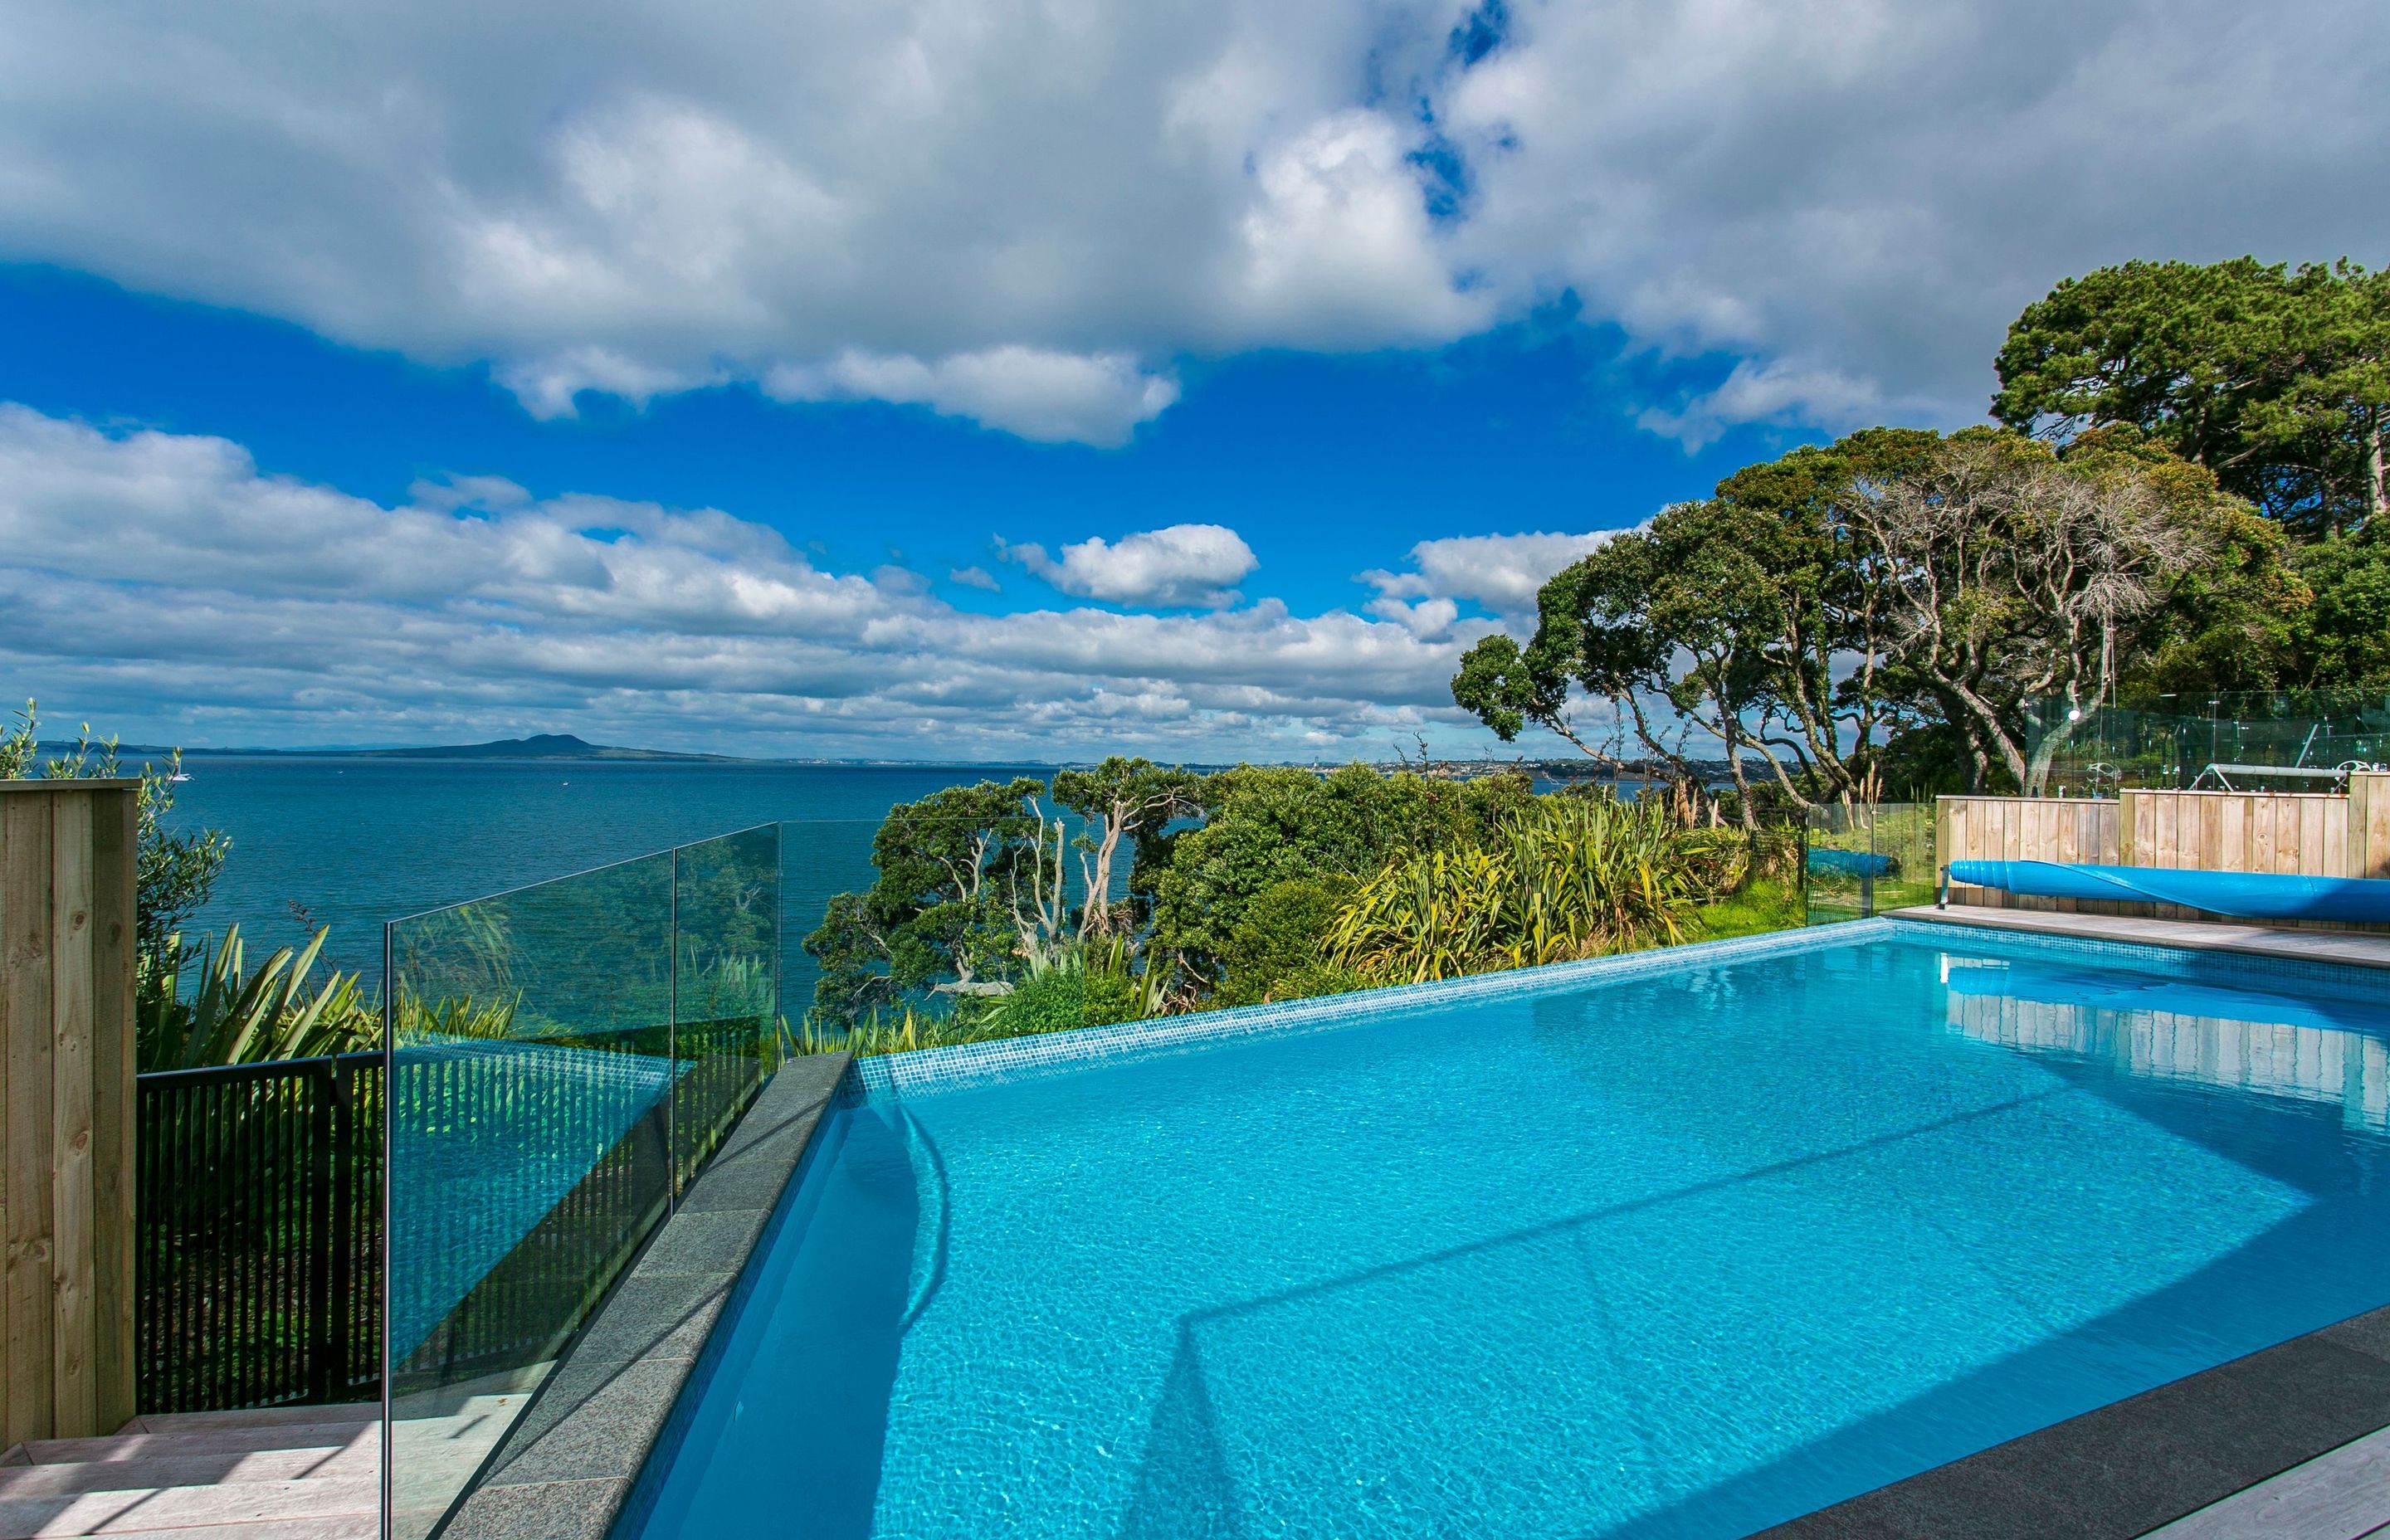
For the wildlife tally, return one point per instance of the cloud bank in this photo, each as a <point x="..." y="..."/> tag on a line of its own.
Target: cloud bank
<point x="164" y="584"/>
<point x="1028" y="217"/>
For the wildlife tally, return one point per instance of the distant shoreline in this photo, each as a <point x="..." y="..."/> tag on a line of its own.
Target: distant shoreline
<point x="508" y="751"/>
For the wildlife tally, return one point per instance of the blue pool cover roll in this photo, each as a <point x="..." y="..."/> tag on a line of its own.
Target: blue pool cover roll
<point x="2248" y="895"/>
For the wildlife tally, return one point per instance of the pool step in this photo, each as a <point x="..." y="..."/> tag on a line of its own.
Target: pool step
<point x="293" y="1473"/>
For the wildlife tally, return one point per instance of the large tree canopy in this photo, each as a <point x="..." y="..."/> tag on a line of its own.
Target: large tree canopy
<point x="2276" y="380"/>
<point x="1818" y="604"/>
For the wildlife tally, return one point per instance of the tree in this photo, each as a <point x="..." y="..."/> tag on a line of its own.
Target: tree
<point x="1268" y="825"/>
<point x="1756" y="616"/>
<point x="2342" y="637"/>
<point x="1823" y="605"/>
<point x="2015" y="577"/>
<point x="2276" y="380"/>
<point x="1132" y="799"/>
<point x="951" y="870"/>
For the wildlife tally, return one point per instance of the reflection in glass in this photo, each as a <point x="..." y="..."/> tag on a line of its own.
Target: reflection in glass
<point x="562" y="1060"/>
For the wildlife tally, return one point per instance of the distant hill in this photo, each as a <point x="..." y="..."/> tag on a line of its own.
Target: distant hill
<point x="538" y="746"/>
<point x="555" y="746"/>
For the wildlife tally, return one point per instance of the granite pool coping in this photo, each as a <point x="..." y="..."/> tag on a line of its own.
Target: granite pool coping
<point x="568" y="1467"/>
<point x="2122" y="1471"/>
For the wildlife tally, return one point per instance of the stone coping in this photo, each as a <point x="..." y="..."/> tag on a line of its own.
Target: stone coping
<point x="566" y="1469"/>
<point x="2348" y="948"/>
<point x="2133" y="1465"/>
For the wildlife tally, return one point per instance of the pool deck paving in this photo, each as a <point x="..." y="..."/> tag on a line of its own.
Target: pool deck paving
<point x="2292" y="1443"/>
<point x="294" y="1473"/>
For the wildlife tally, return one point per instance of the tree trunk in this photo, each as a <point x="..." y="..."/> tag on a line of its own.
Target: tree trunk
<point x="2377" y="473"/>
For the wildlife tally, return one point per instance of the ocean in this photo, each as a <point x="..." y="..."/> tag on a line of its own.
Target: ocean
<point x="352" y="842"/>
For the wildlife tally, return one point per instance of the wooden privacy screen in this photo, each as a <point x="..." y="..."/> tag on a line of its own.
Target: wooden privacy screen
<point x="2303" y="833"/>
<point x="67" y="853"/>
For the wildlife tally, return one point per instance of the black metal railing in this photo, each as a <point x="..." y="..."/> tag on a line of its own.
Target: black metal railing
<point x="257" y="1234"/>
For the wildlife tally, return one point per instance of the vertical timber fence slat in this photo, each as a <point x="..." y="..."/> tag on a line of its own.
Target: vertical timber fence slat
<point x="259" y="1234"/>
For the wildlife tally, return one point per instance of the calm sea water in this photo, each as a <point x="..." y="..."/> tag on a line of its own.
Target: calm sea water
<point x="357" y="842"/>
<point x="1678" y="1256"/>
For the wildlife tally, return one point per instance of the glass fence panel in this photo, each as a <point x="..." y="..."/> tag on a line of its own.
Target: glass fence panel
<point x="1868" y="858"/>
<point x="530" y="1149"/>
<point x="725" y="987"/>
<point x="2288" y="741"/>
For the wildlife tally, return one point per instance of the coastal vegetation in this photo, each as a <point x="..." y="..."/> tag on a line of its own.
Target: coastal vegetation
<point x="1254" y="885"/>
<point x="2182" y="494"/>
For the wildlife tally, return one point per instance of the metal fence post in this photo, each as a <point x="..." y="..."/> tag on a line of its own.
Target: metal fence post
<point x="321" y="1085"/>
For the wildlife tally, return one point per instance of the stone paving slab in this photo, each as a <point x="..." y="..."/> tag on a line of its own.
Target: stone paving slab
<point x="2126" y="1469"/>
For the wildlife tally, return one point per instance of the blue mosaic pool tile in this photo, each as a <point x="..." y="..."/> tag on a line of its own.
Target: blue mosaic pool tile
<point x="888" y="1077"/>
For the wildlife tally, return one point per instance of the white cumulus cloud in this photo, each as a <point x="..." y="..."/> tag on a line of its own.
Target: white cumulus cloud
<point x="1030" y="216"/>
<point x="1185" y="564"/>
<point x="1499" y="572"/>
<point x="1051" y="397"/>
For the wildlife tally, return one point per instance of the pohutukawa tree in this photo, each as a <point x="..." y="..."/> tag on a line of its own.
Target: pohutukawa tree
<point x="1818" y="605"/>
<point x="1122" y="799"/>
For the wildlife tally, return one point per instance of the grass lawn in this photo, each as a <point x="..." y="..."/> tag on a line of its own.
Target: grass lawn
<point x="1761" y="908"/>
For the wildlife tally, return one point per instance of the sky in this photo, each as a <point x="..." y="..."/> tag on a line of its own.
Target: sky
<point x="973" y="379"/>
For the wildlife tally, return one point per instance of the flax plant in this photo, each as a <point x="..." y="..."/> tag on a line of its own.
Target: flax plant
<point x="1570" y="877"/>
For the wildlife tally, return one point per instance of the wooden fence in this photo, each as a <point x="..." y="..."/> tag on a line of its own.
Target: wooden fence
<point x="67" y="853"/>
<point x="2304" y="833"/>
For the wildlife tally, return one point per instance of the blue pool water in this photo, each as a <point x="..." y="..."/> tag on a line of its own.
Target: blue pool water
<point x="1680" y="1255"/>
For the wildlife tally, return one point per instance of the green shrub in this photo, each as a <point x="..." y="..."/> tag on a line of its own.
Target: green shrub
<point x="1109" y="995"/>
<point x="1048" y="1000"/>
<point x="1310" y="983"/>
<point x="1283" y="933"/>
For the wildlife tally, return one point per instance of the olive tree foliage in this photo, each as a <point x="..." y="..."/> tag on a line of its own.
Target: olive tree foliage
<point x="2276" y="380"/>
<point x="175" y="872"/>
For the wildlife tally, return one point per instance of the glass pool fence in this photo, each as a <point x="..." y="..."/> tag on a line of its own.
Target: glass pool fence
<point x="2278" y="740"/>
<point x="563" y="1058"/>
<point x="1867" y="859"/>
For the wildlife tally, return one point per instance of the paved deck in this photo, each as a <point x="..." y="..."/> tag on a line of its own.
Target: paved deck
<point x="297" y="1473"/>
<point x="2263" y="941"/>
<point x="2341" y="1496"/>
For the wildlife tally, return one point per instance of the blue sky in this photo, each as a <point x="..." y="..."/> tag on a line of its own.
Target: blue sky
<point x="1327" y="466"/>
<point x="959" y="380"/>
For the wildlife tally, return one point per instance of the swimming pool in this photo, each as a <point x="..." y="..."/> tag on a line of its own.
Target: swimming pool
<point x="1684" y="1248"/>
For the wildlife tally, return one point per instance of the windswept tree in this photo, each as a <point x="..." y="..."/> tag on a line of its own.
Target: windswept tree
<point x="2275" y="380"/>
<point x="1823" y="604"/>
<point x="1122" y="799"/>
<point x="2015" y="576"/>
<point x="952" y="869"/>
